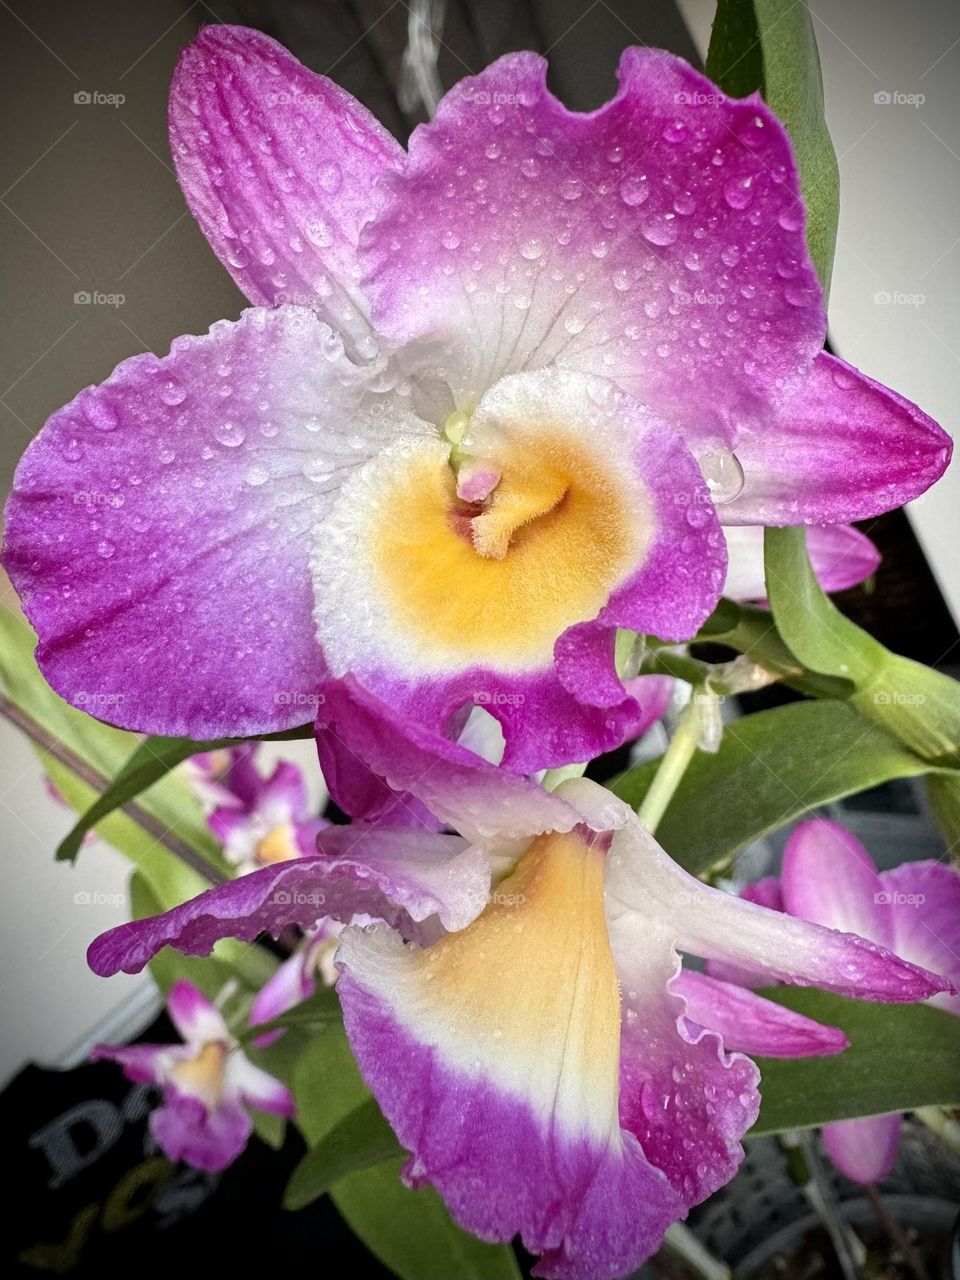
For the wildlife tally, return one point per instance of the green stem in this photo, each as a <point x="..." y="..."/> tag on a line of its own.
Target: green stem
<point x="673" y="765"/>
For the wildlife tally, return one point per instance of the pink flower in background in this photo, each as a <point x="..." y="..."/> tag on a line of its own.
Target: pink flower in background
<point x="207" y="1084"/>
<point x="298" y="977"/>
<point x="497" y="397"/>
<point x="520" y="1013"/>
<point x="829" y="878"/>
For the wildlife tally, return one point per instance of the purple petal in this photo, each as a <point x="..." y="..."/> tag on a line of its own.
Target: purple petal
<point x="258" y="1088"/>
<point x="863" y="1149"/>
<point x="687" y="1101"/>
<point x="405" y="877"/>
<point x="292" y="982"/>
<point x="841" y="447"/>
<point x="493" y="1054"/>
<point x="765" y="893"/>
<point x="141" y="1063"/>
<point x="923" y="901"/>
<point x="645" y="883"/>
<point x="748" y="1023"/>
<point x="459" y="787"/>
<point x="184" y="605"/>
<point x="535" y="235"/>
<point x="829" y="878"/>
<point x="208" y="1139"/>
<point x="196" y="1019"/>
<point x="278" y="166"/>
<point x="841" y="556"/>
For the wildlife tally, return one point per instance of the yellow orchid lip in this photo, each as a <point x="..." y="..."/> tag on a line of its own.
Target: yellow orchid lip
<point x="202" y="1076"/>
<point x="499" y="579"/>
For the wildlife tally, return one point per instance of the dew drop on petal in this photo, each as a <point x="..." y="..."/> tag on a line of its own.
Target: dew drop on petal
<point x="230" y="434"/>
<point x="172" y="392"/>
<point x="571" y="189"/>
<point x="102" y="415"/>
<point x="532" y="249"/>
<point x="738" y="192"/>
<point x="450" y="240"/>
<point x="634" y="190"/>
<point x="105" y="549"/>
<point x="659" y="228"/>
<point x="723" y="474"/>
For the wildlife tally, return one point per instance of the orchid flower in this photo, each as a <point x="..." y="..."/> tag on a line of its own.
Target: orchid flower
<point x="829" y="878"/>
<point x="207" y="1084"/>
<point x="497" y="396"/>
<point x="519" y="1012"/>
<point x="269" y="821"/>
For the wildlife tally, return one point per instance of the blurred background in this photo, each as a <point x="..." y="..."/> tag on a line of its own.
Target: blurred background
<point x="100" y="259"/>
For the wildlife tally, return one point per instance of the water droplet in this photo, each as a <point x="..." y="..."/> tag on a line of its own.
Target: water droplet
<point x="530" y="168"/>
<point x="791" y="218"/>
<point x="730" y="255"/>
<point x="615" y="155"/>
<point x="230" y="434"/>
<point x="724" y="475"/>
<point x="105" y="549"/>
<point x="571" y="189"/>
<point x="738" y="192"/>
<point x="659" y="228"/>
<point x="257" y="476"/>
<point x="172" y="392"/>
<point x="72" y="450"/>
<point x="492" y="151"/>
<point x="754" y="133"/>
<point x="685" y="203"/>
<point x="634" y="190"/>
<point x="532" y="249"/>
<point x="450" y="240"/>
<point x="675" y="132"/>
<point x="574" y="325"/>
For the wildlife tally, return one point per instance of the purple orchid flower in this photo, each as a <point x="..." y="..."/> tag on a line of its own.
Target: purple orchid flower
<point x="829" y="878"/>
<point x="502" y="424"/>
<point x="266" y="819"/>
<point x="520" y="1012"/>
<point x="207" y="1084"/>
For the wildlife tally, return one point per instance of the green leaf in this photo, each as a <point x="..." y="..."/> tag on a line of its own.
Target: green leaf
<point x="901" y="1057"/>
<point x="363" y="1138"/>
<point x="327" y="1085"/>
<point x="411" y="1231"/>
<point x="151" y="760"/>
<point x="919" y="706"/>
<point x="80" y="755"/>
<point x="771" y="768"/>
<point x="770" y="46"/>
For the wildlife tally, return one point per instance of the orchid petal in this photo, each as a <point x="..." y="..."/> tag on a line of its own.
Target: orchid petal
<point x="829" y="878"/>
<point x="864" y="1149"/>
<point x="415" y="881"/>
<point x="643" y="881"/>
<point x="209" y="1139"/>
<point x="841" y="557"/>
<point x="841" y="447"/>
<point x="923" y="900"/>
<point x="197" y="1020"/>
<point x="534" y="235"/>
<point x="502" y="1042"/>
<point x="184" y="605"/>
<point x="278" y="166"/>
<point x="748" y="1023"/>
